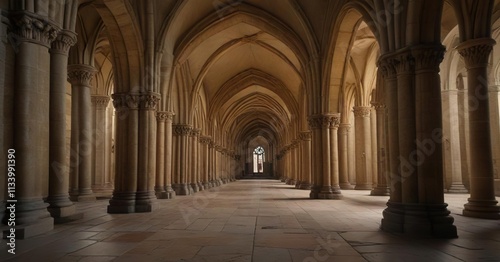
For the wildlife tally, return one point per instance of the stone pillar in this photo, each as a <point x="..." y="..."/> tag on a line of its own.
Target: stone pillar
<point x="160" y="187"/>
<point x="181" y="156"/>
<point x="452" y="158"/>
<point x="33" y="36"/>
<point x="343" y="131"/>
<point x="169" y="191"/>
<point x="306" y="160"/>
<point x="430" y="216"/>
<point x="194" y="159"/>
<point x="494" y="96"/>
<point x="80" y="76"/>
<point x="351" y="153"/>
<point x="334" y="156"/>
<point x="100" y="187"/>
<point x="482" y="202"/>
<point x="146" y="200"/>
<point x="363" y="148"/>
<point x="381" y="188"/>
<point x="205" y="170"/>
<point x="126" y="153"/>
<point x="61" y="208"/>
<point x="373" y="139"/>
<point x="393" y="215"/>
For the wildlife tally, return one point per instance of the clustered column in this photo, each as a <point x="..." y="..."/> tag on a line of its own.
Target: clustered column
<point x="61" y="208"/>
<point x="482" y="202"/>
<point x="181" y="137"/>
<point x="306" y="160"/>
<point x="80" y="77"/>
<point x="363" y="148"/>
<point x="381" y="188"/>
<point x="343" y="133"/>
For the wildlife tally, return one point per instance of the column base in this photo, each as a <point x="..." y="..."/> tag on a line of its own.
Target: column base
<point x="200" y="186"/>
<point x="146" y="202"/>
<point x="363" y="187"/>
<point x="314" y="194"/>
<point x="122" y="203"/>
<point x="487" y="209"/>
<point x="64" y="214"/>
<point x="194" y="187"/>
<point x="497" y="187"/>
<point x="291" y="182"/>
<point x="329" y="192"/>
<point x="297" y="184"/>
<point x="207" y="185"/>
<point x="431" y="220"/>
<point x="181" y="189"/>
<point x="103" y="191"/>
<point x="305" y="186"/>
<point x="380" y="191"/>
<point x="346" y="186"/>
<point x="458" y="189"/>
<point x="41" y="226"/>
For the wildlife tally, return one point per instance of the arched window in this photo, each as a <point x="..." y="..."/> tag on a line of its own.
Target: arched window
<point x="259" y="157"/>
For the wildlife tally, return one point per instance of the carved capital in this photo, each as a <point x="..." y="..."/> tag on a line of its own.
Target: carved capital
<point x="195" y="132"/>
<point x="362" y="111"/>
<point x="149" y="101"/>
<point x="320" y="121"/>
<point x="64" y="40"/>
<point x="344" y="129"/>
<point x="205" y="140"/>
<point x="335" y="121"/>
<point x="305" y="135"/>
<point x="182" y="130"/>
<point x="476" y="52"/>
<point x="119" y="101"/>
<point x="133" y="101"/>
<point x="428" y="57"/>
<point x="81" y="75"/>
<point x="387" y="66"/>
<point x="100" y="102"/>
<point x="404" y="62"/>
<point x="29" y="27"/>
<point x="378" y="106"/>
<point x="164" y="116"/>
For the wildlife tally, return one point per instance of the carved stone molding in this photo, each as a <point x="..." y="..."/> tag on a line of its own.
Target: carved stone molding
<point x="387" y="66"/>
<point x="81" y="75"/>
<point x="149" y="101"/>
<point x="344" y="129"/>
<point x="164" y="116"/>
<point x="182" y="130"/>
<point x="362" y="111"/>
<point x="64" y="40"/>
<point x="195" y="132"/>
<point x="320" y="121"/>
<point x="476" y="52"/>
<point x="305" y="135"/>
<point x="100" y="102"/>
<point x="29" y="27"/>
<point x="428" y="57"/>
<point x="119" y="101"/>
<point x="378" y="106"/>
<point x="335" y="121"/>
<point x="205" y="140"/>
<point x="404" y="62"/>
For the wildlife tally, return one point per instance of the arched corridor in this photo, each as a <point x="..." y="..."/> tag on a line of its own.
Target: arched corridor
<point x="114" y="108"/>
<point x="257" y="220"/>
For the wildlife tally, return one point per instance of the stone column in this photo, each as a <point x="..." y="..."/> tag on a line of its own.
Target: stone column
<point x="169" y="191"/>
<point x="80" y="76"/>
<point x="126" y="153"/>
<point x="452" y="158"/>
<point x="334" y="156"/>
<point x="363" y="148"/>
<point x="393" y="215"/>
<point x="306" y="160"/>
<point x="494" y="100"/>
<point x="161" y="117"/>
<point x="315" y="124"/>
<point x="381" y="188"/>
<point x="430" y="216"/>
<point x="194" y="159"/>
<point x="205" y="142"/>
<point x="145" y="196"/>
<point x="100" y="186"/>
<point x="482" y="202"/>
<point x="343" y="131"/>
<point x="373" y="139"/>
<point x="182" y="136"/>
<point x="61" y="208"/>
<point x="33" y="36"/>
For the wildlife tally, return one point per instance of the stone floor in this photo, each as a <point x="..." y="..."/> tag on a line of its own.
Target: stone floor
<point x="255" y="220"/>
